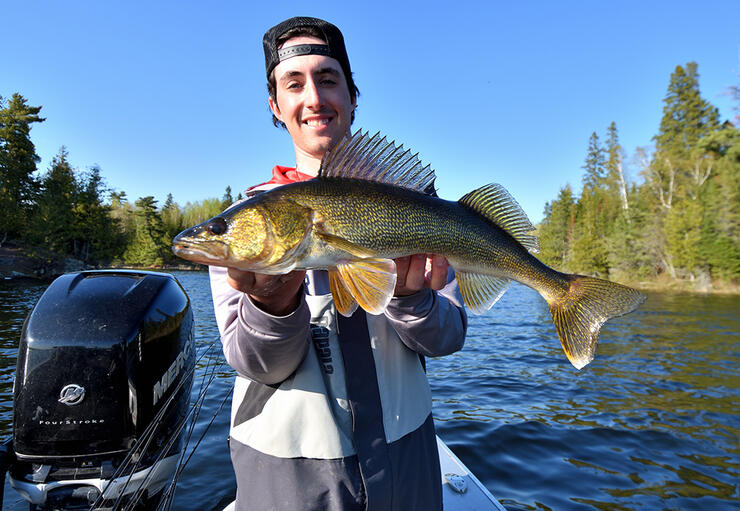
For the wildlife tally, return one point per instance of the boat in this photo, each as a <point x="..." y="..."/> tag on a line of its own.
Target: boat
<point x="102" y="392"/>
<point x="461" y="490"/>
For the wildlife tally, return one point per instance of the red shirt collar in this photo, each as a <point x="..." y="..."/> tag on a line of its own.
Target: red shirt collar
<point x="282" y="176"/>
<point x="285" y="175"/>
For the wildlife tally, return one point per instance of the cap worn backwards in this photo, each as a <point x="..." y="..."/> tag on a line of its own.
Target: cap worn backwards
<point x="333" y="48"/>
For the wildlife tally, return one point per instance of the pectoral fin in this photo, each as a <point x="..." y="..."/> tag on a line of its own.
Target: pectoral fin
<point x="344" y="245"/>
<point x="368" y="282"/>
<point x="344" y="302"/>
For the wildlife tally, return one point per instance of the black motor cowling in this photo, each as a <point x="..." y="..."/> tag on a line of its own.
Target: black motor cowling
<point x="100" y="355"/>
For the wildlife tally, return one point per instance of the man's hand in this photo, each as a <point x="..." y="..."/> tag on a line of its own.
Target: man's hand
<point x="416" y="272"/>
<point x="275" y="294"/>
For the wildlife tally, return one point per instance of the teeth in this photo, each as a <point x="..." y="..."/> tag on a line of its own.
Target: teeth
<point x="317" y="122"/>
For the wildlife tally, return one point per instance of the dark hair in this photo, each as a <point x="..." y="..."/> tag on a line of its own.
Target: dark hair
<point x="354" y="92"/>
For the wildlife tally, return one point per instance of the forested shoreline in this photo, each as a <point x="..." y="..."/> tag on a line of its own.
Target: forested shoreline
<point x="676" y="223"/>
<point x="72" y="213"/>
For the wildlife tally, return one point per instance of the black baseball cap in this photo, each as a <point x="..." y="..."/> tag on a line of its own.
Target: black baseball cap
<point x="333" y="48"/>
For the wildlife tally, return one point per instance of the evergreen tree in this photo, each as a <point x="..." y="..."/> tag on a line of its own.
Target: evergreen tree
<point x="615" y="179"/>
<point x="98" y="235"/>
<point x="588" y="250"/>
<point x="228" y="200"/>
<point x="147" y="247"/>
<point x="122" y="212"/>
<point x="679" y="172"/>
<point x="719" y="247"/>
<point x="172" y="222"/>
<point x="687" y="117"/>
<point x="18" y="161"/>
<point x="71" y="218"/>
<point x="556" y="230"/>
<point x="594" y="166"/>
<point x="54" y="222"/>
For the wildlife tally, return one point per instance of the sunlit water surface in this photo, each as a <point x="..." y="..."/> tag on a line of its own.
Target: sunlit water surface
<point x="652" y="423"/>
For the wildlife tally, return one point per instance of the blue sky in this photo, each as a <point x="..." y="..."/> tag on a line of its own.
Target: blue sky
<point x="170" y="97"/>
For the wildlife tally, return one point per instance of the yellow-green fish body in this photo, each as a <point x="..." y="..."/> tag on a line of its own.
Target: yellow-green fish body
<point x="368" y="207"/>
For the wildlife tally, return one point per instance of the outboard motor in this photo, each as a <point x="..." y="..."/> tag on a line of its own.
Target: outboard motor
<point x="102" y="389"/>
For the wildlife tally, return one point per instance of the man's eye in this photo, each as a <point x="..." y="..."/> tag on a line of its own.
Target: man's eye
<point x="293" y="85"/>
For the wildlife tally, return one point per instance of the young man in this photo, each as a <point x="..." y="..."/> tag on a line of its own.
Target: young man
<point x="330" y="413"/>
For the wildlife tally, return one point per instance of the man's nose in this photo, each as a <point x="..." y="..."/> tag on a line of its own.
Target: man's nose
<point x="312" y="98"/>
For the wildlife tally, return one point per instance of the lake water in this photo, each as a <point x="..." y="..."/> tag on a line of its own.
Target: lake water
<point x="652" y="423"/>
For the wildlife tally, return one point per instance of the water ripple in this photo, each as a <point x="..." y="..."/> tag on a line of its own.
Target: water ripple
<point x="652" y="423"/>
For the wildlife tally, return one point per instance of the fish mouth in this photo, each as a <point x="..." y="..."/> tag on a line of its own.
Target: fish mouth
<point x="212" y="252"/>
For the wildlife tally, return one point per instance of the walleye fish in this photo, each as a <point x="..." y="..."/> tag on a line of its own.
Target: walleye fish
<point x="367" y="207"/>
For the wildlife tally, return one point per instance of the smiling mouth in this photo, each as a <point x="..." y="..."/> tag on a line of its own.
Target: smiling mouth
<point x="317" y="123"/>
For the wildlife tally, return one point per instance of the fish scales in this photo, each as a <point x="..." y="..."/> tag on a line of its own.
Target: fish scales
<point x="396" y="222"/>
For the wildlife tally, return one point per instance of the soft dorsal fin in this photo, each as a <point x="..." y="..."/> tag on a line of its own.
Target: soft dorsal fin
<point x="495" y="203"/>
<point x="372" y="158"/>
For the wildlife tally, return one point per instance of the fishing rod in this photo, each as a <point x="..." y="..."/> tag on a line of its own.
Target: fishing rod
<point x="144" y="442"/>
<point x="192" y="417"/>
<point x="169" y="494"/>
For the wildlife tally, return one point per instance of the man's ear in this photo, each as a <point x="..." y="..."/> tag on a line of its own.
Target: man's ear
<point x="275" y="109"/>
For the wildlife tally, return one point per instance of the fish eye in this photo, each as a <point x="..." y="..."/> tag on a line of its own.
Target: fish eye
<point x="217" y="226"/>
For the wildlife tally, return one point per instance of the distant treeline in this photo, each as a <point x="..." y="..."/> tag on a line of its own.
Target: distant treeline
<point x="681" y="219"/>
<point x="73" y="213"/>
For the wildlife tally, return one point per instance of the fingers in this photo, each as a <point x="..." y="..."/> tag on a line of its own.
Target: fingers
<point x="440" y="268"/>
<point x="415" y="277"/>
<point x="276" y="294"/>
<point x="240" y="280"/>
<point x="402" y="268"/>
<point x="419" y="271"/>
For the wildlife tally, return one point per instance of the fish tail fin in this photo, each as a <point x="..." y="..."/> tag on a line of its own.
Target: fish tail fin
<point x="583" y="308"/>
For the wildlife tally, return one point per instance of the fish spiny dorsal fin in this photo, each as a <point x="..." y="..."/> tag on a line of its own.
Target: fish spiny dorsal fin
<point x="493" y="202"/>
<point x="373" y="158"/>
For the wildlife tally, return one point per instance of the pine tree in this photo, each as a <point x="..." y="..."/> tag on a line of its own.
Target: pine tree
<point x="228" y="200"/>
<point x="719" y="246"/>
<point x="594" y="166"/>
<point x="680" y="171"/>
<point x="556" y="230"/>
<point x="99" y="237"/>
<point x="18" y="161"/>
<point x="687" y="117"/>
<point x="54" y="223"/>
<point x="147" y="247"/>
<point x="588" y="250"/>
<point x="615" y="179"/>
<point x="172" y="222"/>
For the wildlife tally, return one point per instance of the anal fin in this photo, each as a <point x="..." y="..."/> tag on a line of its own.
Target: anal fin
<point x="368" y="282"/>
<point x="480" y="292"/>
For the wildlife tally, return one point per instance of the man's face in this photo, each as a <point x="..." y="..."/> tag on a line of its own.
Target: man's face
<point x="313" y="100"/>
